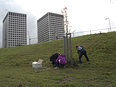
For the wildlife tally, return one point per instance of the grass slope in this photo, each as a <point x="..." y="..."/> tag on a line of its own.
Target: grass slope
<point x="16" y="69"/>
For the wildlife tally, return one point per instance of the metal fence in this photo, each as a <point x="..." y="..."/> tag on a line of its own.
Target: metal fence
<point x="105" y="30"/>
<point x="81" y="33"/>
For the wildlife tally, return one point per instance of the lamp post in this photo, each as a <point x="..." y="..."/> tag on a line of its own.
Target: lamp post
<point x="109" y="29"/>
<point x="29" y="38"/>
<point x="73" y="32"/>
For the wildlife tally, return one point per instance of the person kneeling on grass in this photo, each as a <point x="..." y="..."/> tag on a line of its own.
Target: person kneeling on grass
<point x="60" y="61"/>
<point x="53" y="59"/>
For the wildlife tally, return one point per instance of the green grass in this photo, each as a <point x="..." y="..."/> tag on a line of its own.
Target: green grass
<point x="16" y="64"/>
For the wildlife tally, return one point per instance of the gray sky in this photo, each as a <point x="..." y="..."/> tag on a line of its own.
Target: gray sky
<point x="11" y="5"/>
<point x="83" y="15"/>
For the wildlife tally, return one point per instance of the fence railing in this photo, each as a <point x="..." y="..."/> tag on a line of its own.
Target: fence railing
<point x="105" y="30"/>
<point x="81" y="33"/>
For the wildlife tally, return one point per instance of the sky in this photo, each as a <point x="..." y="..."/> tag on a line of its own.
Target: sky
<point x="83" y="15"/>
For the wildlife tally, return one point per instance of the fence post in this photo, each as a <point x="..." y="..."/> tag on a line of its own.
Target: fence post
<point x="70" y="48"/>
<point x="65" y="45"/>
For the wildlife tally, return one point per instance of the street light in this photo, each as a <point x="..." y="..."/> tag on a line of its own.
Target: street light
<point x="109" y="29"/>
<point x="73" y="32"/>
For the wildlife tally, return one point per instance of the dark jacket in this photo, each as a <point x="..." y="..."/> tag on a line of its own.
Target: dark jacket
<point x="54" y="57"/>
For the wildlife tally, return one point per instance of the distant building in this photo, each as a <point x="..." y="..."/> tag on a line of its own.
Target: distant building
<point x="14" y="30"/>
<point x="50" y="27"/>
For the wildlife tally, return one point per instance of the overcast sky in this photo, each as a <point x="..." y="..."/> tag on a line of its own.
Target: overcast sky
<point x="83" y="15"/>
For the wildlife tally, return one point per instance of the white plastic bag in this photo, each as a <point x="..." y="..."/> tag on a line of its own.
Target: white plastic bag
<point x="36" y="65"/>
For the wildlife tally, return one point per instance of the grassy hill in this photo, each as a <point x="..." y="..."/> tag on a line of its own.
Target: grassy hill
<point x="16" y="64"/>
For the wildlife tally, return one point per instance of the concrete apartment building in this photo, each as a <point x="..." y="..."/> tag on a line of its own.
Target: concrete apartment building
<point x="14" y="30"/>
<point x="50" y="27"/>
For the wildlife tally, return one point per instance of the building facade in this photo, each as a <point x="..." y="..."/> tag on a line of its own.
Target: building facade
<point x="50" y="27"/>
<point x="14" y="30"/>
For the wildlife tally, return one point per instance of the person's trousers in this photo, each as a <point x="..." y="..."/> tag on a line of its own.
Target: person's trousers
<point x="81" y="54"/>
